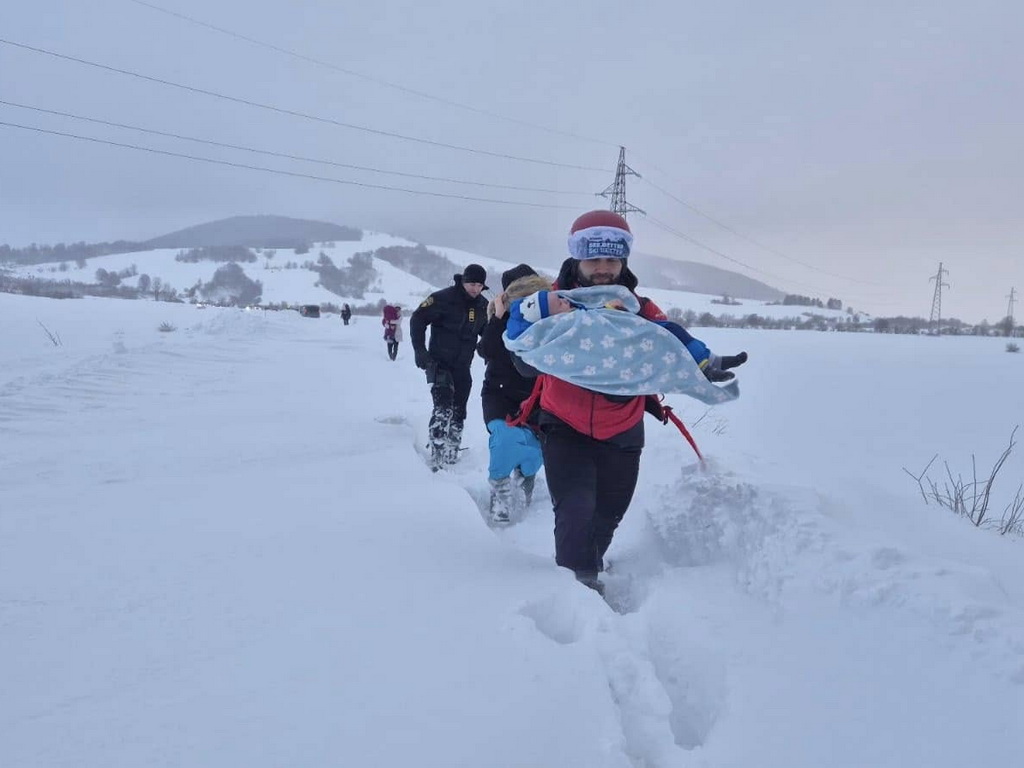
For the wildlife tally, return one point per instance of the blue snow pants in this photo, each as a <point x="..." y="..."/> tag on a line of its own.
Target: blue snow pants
<point x="512" y="447"/>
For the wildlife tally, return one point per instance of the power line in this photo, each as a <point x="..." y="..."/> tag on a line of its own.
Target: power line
<point x="673" y="231"/>
<point x="283" y="155"/>
<point x="367" y="78"/>
<point x="295" y="113"/>
<point x="617" y="192"/>
<point x="751" y="240"/>
<point x="292" y="174"/>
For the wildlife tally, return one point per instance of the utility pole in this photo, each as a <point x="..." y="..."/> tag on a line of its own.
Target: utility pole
<point x="616" y="191"/>
<point x="1009" y="311"/>
<point x="936" y="319"/>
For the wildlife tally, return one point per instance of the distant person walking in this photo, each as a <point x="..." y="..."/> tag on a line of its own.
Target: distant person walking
<point x="456" y="316"/>
<point x="392" y="322"/>
<point x="346" y="313"/>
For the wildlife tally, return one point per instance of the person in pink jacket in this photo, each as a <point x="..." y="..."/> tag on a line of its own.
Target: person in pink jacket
<point x="392" y="322"/>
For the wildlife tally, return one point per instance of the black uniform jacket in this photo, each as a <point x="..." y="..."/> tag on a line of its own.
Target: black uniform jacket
<point x="456" y="321"/>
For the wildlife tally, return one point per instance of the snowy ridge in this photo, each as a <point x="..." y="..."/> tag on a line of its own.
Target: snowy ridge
<point x="234" y="524"/>
<point x="298" y="286"/>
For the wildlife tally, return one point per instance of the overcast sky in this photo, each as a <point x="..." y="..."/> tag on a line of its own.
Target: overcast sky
<point x="848" y="148"/>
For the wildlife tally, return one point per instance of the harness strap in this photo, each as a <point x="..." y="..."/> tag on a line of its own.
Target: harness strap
<point x="664" y="414"/>
<point x="682" y="428"/>
<point x="528" y="405"/>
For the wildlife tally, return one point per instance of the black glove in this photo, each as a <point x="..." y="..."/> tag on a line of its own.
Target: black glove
<point x="718" y="367"/>
<point x="423" y="359"/>
<point x="733" y="361"/>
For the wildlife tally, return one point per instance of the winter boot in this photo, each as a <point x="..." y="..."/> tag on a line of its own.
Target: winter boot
<point x="440" y="424"/>
<point x="436" y="457"/>
<point x="453" y="443"/>
<point x="501" y="500"/>
<point x="526" y="483"/>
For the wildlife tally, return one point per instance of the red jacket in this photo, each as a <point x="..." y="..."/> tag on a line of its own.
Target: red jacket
<point x="592" y="413"/>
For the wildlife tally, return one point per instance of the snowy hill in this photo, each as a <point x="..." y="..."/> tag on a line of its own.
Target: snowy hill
<point x="254" y="232"/>
<point x="280" y="284"/>
<point x="220" y="546"/>
<point x="701" y="278"/>
<point x="299" y="285"/>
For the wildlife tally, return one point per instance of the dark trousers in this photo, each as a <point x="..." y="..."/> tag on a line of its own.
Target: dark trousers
<point x="591" y="484"/>
<point x="449" y="389"/>
<point x="392" y="349"/>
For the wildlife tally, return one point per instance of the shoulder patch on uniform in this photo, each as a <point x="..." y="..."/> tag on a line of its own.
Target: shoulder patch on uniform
<point x="427" y="302"/>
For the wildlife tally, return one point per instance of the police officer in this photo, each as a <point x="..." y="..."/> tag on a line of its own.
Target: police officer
<point x="456" y="316"/>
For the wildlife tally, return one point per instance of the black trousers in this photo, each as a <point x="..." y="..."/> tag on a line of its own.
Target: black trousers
<point x="591" y="484"/>
<point x="449" y="390"/>
<point x="392" y="349"/>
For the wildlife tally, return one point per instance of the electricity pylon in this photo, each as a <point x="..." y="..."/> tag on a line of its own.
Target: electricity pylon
<point x="1009" y="311"/>
<point x="936" y="319"/>
<point x="616" y="191"/>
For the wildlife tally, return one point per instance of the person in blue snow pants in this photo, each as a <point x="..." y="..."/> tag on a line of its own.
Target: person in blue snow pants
<point x="515" y="452"/>
<point x="512" y="448"/>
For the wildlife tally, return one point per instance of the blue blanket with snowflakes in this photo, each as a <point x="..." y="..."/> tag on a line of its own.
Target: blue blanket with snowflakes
<point x="612" y="351"/>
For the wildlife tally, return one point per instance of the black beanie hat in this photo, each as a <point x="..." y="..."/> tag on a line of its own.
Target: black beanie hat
<point x="474" y="273"/>
<point x="509" y="276"/>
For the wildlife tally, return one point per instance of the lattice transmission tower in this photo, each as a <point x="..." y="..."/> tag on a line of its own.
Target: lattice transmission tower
<point x="616" y="191"/>
<point x="1009" y="307"/>
<point x="935" y="322"/>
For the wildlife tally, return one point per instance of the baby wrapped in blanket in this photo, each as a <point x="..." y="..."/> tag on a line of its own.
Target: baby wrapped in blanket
<point x="594" y="338"/>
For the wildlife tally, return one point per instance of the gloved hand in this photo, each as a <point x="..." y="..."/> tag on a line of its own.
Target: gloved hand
<point x="423" y="359"/>
<point x="717" y="368"/>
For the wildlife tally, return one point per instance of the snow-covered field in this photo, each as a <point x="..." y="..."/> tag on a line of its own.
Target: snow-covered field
<point x="220" y="546"/>
<point x="298" y="286"/>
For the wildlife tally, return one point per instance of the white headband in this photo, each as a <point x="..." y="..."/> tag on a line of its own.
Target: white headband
<point x="600" y="243"/>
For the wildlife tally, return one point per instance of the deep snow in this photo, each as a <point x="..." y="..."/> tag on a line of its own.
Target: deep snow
<point x="221" y="546"/>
